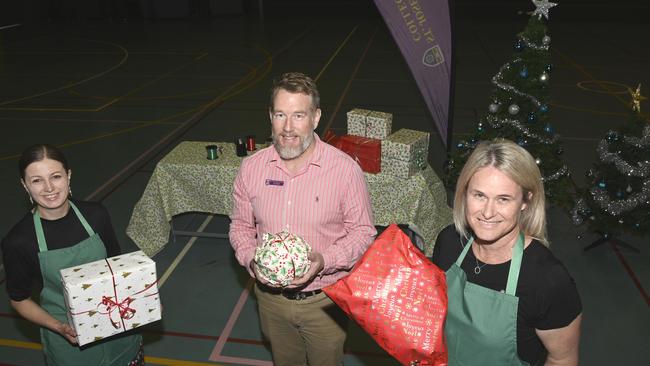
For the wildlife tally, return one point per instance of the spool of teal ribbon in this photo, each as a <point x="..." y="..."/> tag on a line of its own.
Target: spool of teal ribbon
<point x="213" y="151"/>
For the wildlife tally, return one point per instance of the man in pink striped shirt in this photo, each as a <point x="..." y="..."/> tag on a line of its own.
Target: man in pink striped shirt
<point x="313" y="190"/>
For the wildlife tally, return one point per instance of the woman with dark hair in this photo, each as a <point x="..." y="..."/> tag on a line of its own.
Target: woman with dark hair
<point x="59" y="232"/>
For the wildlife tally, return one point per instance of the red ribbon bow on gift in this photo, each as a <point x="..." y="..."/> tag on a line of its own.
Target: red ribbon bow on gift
<point x="126" y="312"/>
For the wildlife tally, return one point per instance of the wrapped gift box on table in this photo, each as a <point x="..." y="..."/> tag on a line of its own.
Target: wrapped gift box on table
<point x="365" y="151"/>
<point x="110" y="296"/>
<point x="404" y="152"/>
<point x="357" y="122"/>
<point x="372" y="124"/>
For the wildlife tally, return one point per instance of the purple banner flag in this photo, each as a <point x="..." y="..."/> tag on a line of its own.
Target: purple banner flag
<point x="422" y="30"/>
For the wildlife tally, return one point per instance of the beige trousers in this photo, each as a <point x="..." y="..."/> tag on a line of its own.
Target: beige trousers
<point x="302" y="332"/>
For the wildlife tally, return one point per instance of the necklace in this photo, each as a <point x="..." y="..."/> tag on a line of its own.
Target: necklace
<point x="478" y="267"/>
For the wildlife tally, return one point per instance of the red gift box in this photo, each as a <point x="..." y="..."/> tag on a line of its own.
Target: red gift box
<point x="399" y="298"/>
<point x="364" y="150"/>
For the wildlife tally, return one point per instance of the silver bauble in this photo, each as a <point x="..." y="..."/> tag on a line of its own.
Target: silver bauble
<point x="513" y="109"/>
<point x="546" y="40"/>
<point x="493" y="108"/>
<point x="543" y="77"/>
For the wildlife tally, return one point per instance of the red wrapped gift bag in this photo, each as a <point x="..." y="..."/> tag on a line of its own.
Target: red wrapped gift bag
<point x="399" y="297"/>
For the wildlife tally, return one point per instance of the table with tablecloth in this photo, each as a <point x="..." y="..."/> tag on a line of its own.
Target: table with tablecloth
<point x="186" y="181"/>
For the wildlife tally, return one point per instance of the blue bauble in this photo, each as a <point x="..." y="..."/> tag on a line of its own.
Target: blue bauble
<point x="523" y="73"/>
<point x="619" y="194"/>
<point x="460" y="145"/>
<point x="602" y="184"/>
<point x="548" y="129"/>
<point x="519" y="45"/>
<point x="532" y="117"/>
<point x="521" y="142"/>
<point x="612" y="136"/>
<point x="543" y="108"/>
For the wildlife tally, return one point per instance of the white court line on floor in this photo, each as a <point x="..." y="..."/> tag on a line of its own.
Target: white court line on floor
<point x="9" y="26"/>
<point x="184" y="251"/>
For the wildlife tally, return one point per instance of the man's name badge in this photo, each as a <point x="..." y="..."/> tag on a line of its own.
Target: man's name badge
<point x="271" y="182"/>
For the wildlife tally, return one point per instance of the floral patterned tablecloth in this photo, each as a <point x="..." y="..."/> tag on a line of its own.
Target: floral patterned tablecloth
<point x="186" y="181"/>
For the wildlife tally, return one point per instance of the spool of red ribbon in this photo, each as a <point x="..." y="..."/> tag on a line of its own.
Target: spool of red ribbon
<point x="250" y="143"/>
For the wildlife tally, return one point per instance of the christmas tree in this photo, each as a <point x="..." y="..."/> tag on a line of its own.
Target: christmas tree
<point x="617" y="199"/>
<point x="519" y="111"/>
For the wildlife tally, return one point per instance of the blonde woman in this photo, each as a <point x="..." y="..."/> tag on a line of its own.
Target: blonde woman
<point x="511" y="302"/>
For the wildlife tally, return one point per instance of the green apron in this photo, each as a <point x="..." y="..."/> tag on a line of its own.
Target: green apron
<point x="58" y="351"/>
<point x="481" y="325"/>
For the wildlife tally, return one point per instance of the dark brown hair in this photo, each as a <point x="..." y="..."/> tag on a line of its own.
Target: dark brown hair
<point x="39" y="152"/>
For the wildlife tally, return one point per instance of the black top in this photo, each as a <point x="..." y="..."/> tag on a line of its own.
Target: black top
<point x="20" y="247"/>
<point x="548" y="298"/>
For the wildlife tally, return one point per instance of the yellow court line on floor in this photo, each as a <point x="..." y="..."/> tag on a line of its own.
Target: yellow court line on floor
<point x="170" y="362"/>
<point x="580" y="68"/>
<point x="345" y="41"/>
<point x="122" y="61"/>
<point x="20" y="344"/>
<point x="231" y="91"/>
<point x="114" y="133"/>
<point x="149" y="360"/>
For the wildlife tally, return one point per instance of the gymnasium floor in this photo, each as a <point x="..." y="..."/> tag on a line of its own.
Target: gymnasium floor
<point x="117" y="96"/>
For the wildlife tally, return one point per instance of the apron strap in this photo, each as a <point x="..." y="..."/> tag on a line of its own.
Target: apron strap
<point x="462" y="255"/>
<point x="38" y="226"/>
<point x="81" y="218"/>
<point x="515" y="262"/>
<point x="40" y="237"/>
<point x="515" y="265"/>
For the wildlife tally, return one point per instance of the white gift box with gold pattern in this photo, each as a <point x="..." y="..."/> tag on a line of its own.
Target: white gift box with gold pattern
<point x="404" y="152"/>
<point x="110" y="296"/>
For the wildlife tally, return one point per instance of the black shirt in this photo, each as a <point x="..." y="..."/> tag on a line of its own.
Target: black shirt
<point x="20" y="247"/>
<point x="548" y="298"/>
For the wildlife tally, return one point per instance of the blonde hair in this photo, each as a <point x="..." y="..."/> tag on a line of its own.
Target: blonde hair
<point x="517" y="163"/>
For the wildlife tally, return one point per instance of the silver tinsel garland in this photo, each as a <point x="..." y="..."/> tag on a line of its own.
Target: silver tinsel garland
<point x="617" y="207"/>
<point x="557" y="175"/>
<point x="637" y="142"/>
<point x="535" y="46"/>
<point x="641" y="170"/>
<point x="601" y="196"/>
<point x="497" y="123"/>
<point x="496" y="80"/>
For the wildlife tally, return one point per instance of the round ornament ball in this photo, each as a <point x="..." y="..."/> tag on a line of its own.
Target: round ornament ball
<point x="548" y="129"/>
<point x="543" y="77"/>
<point x="513" y="109"/>
<point x="532" y="117"/>
<point x="543" y="108"/>
<point x="523" y="73"/>
<point x="546" y="40"/>
<point x="493" y="108"/>
<point x="519" y="45"/>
